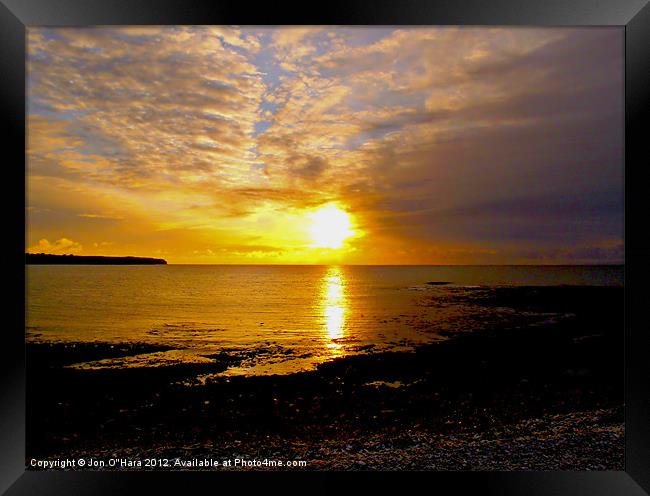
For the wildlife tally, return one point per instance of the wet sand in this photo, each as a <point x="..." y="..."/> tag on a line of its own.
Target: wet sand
<point x="545" y="397"/>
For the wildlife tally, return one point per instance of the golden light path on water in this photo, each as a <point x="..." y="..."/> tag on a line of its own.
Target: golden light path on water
<point x="334" y="307"/>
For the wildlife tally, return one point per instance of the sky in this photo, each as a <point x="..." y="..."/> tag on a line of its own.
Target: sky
<point x="437" y="145"/>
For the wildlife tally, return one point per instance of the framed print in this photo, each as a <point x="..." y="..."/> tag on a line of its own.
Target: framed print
<point x="387" y="239"/>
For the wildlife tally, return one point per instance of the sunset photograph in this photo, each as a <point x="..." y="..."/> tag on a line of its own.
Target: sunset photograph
<point x="324" y="248"/>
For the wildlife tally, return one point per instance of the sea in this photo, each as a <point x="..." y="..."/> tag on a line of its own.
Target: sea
<point x="281" y="319"/>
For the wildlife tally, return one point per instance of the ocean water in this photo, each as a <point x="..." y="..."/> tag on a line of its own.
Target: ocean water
<point x="282" y="319"/>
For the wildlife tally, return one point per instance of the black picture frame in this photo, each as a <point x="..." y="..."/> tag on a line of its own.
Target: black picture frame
<point x="633" y="15"/>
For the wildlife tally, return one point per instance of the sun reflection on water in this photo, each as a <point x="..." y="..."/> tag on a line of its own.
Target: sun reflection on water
<point x="334" y="306"/>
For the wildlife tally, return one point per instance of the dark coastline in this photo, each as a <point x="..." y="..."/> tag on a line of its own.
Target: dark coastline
<point x="543" y="397"/>
<point x="47" y="259"/>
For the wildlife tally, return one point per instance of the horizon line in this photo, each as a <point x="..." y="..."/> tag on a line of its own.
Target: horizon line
<point x="415" y="264"/>
<point x="595" y="264"/>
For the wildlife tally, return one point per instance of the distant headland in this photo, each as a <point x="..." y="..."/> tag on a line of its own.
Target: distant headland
<point x="47" y="259"/>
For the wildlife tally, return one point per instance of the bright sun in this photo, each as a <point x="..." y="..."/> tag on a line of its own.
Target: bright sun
<point x="330" y="227"/>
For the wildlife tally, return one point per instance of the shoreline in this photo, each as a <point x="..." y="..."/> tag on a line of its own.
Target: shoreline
<point x="542" y="397"/>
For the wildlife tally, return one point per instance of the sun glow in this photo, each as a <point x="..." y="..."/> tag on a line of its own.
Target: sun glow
<point x="330" y="227"/>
